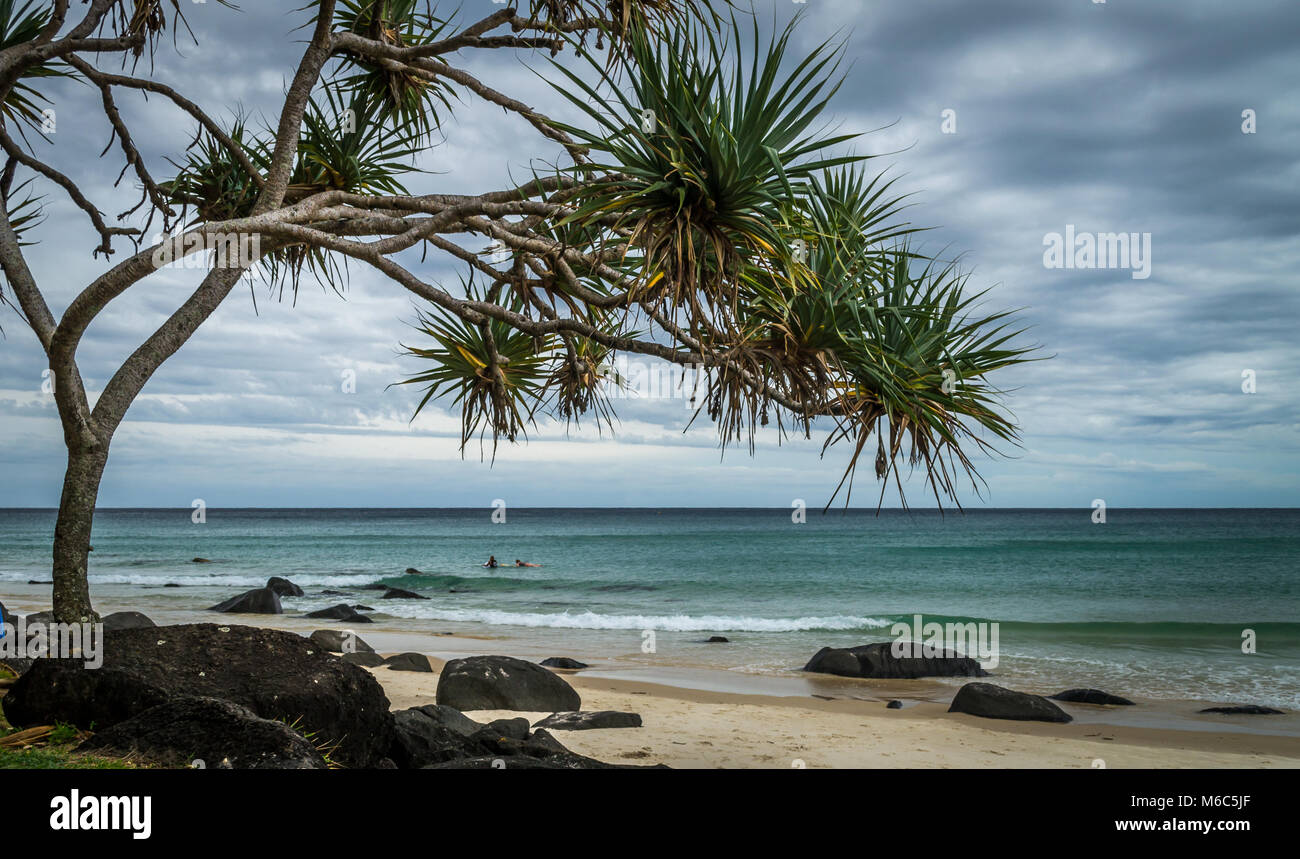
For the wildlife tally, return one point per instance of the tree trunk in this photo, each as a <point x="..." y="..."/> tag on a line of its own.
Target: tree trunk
<point x="72" y="535"/>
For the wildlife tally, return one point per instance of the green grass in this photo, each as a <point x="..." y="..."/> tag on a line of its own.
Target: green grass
<point x="57" y="752"/>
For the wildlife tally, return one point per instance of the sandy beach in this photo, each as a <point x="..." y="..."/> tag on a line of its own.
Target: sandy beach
<point x="730" y="720"/>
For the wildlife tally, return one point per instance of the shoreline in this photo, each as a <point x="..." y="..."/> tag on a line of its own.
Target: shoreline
<point x="709" y="718"/>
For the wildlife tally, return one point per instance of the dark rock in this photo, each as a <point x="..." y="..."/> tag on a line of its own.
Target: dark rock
<point x="877" y="660"/>
<point x="330" y="593"/>
<point x="126" y="620"/>
<point x="171" y="585"/>
<point x="1244" y="710"/>
<point x="365" y="660"/>
<point x="276" y="674"/>
<point x="717" y="639"/>
<point x="450" y="717"/>
<point x="200" y="561"/>
<point x="373" y="587"/>
<point x="563" y="662"/>
<point x="412" y="571"/>
<point x="400" y="594"/>
<point x="18" y="665"/>
<point x="284" y="587"/>
<point x="995" y="702"/>
<point x="212" y="730"/>
<point x="1090" y="696"/>
<point x="894" y="705"/>
<point x="342" y="611"/>
<point x="340" y="641"/>
<point x="360" y="607"/>
<point x="504" y="683"/>
<point x="409" y="662"/>
<point x="514" y="729"/>
<point x="256" y="601"/>
<point x="39" y="582"/>
<point x="591" y="720"/>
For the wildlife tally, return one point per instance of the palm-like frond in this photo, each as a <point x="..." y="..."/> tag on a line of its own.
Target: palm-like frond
<point x="730" y="146"/>
<point x="22" y="21"/>
<point x="493" y="371"/>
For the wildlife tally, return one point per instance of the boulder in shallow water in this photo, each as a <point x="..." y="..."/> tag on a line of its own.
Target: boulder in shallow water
<point x="563" y="662"/>
<point x="1244" y="710"/>
<point x="504" y="683"/>
<point x="342" y="611"/>
<point x="412" y="571"/>
<point x="878" y="660"/>
<point x="284" y="587"/>
<point x="717" y="639"/>
<point x="401" y="594"/>
<point x="276" y="674"/>
<point x="217" y="732"/>
<point x="126" y="620"/>
<point x="409" y="662"/>
<point x="200" y="561"/>
<point x="1091" y="696"/>
<point x="995" y="702"/>
<point x="340" y="641"/>
<point x="590" y="720"/>
<point x="256" y="601"/>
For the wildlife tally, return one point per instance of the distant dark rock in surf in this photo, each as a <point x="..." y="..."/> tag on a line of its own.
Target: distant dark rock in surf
<point x="401" y="594"/>
<point x="375" y="586"/>
<point x="894" y="705"/>
<point x="330" y="593"/>
<point x="1244" y="710"/>
<point x="717" y="639"/>
<point x="126" y="620"/>
<point x="39" y="582"/>
<point x="504" y="683"/>
<point x="996" y="702"/>
<point x="360" y="607"/>
<point x="220" y="733"/>
<point x="364" y="659"/>
<point x="276" y="674"/>
<point x="199" y="561"/>
<point x="171" y="585"/>
<point x="1091" y="696"/>
<point x="409" y="662"/>
<point x="256" y="601"/>
<point x="342" y="611"/>
<point x="590" y="720"/>
<point x="284" y="587"/>
<point x="340" y="641"/>
<point x="563" y="662"/>
<point x="878" y="661"/>
<point x="412" y="571"/>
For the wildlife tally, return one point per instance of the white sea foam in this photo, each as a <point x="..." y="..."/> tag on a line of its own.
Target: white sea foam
<point x="671" y="623"/>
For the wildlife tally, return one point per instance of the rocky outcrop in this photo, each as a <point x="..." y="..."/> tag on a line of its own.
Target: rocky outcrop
<point x="364" y="659"/>
<point x="278" y="675"/>
<point x="1091" y="696"/>
<point x="409" y="662"/>
<point x="126" y="620"/>
<point x="342" y="611"/>
<point x="284" y="587"/>
<point x="563" y="662"/>
<point x="401" y="594"/>
<point x="256" y="601"/>
<point x="219" y="733"/>
<point x="995" y="702"/>
<point x="1244" y="710"/>
<point x="878" y="661"/>
<point x="590" y="720"/>
<point x="340" y="641"/>
<point x="504" y="683"/>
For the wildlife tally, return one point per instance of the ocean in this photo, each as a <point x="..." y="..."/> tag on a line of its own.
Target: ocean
<point x="1152" y="603"/>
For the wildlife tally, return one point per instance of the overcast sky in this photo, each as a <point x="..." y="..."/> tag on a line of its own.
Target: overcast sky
<point x="1122" y="117"/>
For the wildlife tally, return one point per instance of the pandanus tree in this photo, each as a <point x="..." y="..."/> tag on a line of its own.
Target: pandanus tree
<point x="701" y="215"/>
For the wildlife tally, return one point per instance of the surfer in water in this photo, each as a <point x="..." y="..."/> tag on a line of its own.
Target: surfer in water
<point x="519" y="563"/>
<point x="491" y="561"/>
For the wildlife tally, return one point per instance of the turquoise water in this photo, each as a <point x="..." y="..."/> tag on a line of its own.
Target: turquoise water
<point x="1152" y="603"/>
